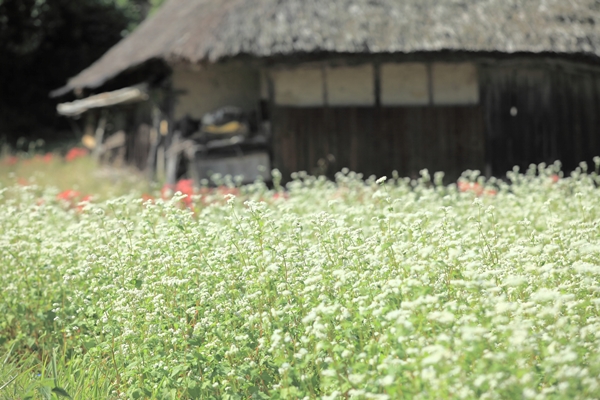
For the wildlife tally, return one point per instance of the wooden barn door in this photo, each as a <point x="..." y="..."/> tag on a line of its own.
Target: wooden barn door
<point x="540" y="114"/>
<point x="439" y="138"/>
<point x="377" y="141"/>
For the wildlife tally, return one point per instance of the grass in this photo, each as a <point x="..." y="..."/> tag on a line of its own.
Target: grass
<point x="359" y="288"/>
<point x="27" y="377"/>
<point x="81" y="174"/>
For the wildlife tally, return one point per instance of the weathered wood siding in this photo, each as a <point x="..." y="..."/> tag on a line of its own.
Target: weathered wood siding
<point x="138" y="129"/>
<point x="528" y="110"/>
<point x="378" y="141"/>
<point x="555" y="114"/>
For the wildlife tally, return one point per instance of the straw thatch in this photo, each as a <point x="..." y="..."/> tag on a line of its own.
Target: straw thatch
<point x="210" y="30"/>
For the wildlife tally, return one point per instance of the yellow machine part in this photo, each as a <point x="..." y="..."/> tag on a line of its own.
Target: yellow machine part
<point x="230" y="127"/>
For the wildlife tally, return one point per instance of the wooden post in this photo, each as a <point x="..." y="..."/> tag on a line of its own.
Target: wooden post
<point x="165" y="143"/>
<point x="173" y="154"/>
<point x="99" y="135"/>
<point x="160" y="161"/>
<point x="275" y="147"/>
<point x="154" y="143"/>
<point x="377" y="83"/>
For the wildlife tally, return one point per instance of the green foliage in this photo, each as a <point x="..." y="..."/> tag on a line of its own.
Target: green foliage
<point x="348" y="289"/>
<point x="29" y="378"/>
<point x="26" y="24"/>
<point x="82" y="175"/>
<point x="139" y="9"/>
<point x="45" y="42"/>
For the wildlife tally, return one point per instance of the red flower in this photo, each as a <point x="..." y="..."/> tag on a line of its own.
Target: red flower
<point x="75" y="153"/>
<point x="22" y="182"/>
<point x="147" y="197"/>
<point x="555" y="178"/>
<point x="11" y="160"/>
<point x="464" y="186"/>
<point x="283" y="195"/>
<point x="186" y="186"/>
<point x="74" y="199"/>
<point x="476" y="188"/>
<point x="68" y="195"/>
<point x="46" y="158"/>
<point x="85" y="199"/>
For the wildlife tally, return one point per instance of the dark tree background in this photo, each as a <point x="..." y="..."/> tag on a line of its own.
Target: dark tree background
<point x="42" y="44"/>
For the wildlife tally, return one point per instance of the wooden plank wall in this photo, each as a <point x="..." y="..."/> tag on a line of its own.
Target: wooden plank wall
<point x="138" y="134"/>
<point x="558" y="115"/>
<point x="377" y="141"/>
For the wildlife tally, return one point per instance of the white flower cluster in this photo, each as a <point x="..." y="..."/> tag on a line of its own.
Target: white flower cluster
<point x="376" y="289"/>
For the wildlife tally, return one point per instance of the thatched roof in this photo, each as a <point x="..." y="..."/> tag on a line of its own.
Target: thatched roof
<point x="210" y="30"/>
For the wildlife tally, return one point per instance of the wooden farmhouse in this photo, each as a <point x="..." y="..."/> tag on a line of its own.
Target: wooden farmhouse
<point x="371" y="85"/>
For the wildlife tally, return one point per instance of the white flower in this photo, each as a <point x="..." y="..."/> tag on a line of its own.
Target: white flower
<point x="356" y="378"/>
<point x="444" y="317"/>
<point x="387" y="380"/>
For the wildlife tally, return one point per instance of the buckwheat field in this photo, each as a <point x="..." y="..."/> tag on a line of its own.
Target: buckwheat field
<point x="363" y="289"/>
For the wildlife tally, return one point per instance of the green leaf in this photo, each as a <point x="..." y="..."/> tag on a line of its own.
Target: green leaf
<point x="194" y="391"/>
<point x="136" y="394"/>
<point x="89" y="344"/>
<point x="45" y="392"/>
<point x="61" y="392"/>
